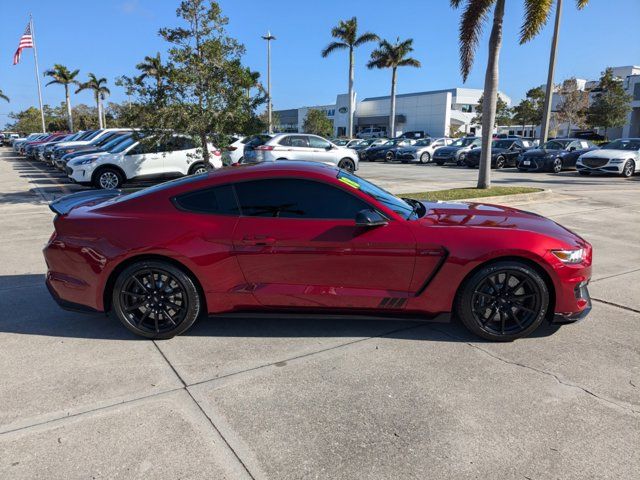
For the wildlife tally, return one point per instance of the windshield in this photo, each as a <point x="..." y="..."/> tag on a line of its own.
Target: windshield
<point x="106" y="139"/>
<point x="628" y="144"/>
<point x="340" y="143"/>
<point x="93" y="135"/>
<point x="423" y="143"/>
<point x="391" y="201"/>
<point x="463" y="142"/>
<point x="556" y="144"/>
<point x="123" y="145"/>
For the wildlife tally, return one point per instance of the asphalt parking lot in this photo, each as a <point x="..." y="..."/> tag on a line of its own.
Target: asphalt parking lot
<point x="329" y="399"/>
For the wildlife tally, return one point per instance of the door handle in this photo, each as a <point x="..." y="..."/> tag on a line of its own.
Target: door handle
<point x="258" y="240"/>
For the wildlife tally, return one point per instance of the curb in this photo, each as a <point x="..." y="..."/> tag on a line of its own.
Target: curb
<point x="517" y="197"/>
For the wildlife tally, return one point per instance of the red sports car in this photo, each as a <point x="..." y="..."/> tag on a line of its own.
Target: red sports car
<point x="306" y="237"/>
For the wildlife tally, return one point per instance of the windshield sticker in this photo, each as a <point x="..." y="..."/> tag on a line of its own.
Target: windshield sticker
<point x="349" y="182"/>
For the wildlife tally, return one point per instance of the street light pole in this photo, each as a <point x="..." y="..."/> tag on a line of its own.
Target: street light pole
<point x="268" y="37"/>
<point x="546" y="113"/>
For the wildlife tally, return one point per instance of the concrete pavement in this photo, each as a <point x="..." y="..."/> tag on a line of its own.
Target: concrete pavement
<point x="292" y="398"/>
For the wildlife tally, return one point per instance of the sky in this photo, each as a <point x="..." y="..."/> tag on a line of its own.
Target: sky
<point x="109" y="37"/>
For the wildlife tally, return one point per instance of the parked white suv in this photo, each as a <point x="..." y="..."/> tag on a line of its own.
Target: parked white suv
<point x="303" y="146"/>
<point x="141" y="160"/>
<point x="620" y="157"/>
<point x="371" y="132"/>
<point x="422" y="150"/>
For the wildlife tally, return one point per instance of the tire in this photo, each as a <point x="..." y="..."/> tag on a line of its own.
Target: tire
<point x="198" y="168"/>
<point x="107" y="178"/>
<point x="487" y="302"/>
<point x="347" y="165"/>
<point x="173" y="295"/>
<point x="500" y="163"/>
<point x="425" y="157"/>
<point x="556" y="166"/>
<point x="388" y="156"/>
<point x="629" y="169"/>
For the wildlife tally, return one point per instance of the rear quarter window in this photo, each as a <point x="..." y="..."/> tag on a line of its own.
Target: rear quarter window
<point x="215" y="200"/>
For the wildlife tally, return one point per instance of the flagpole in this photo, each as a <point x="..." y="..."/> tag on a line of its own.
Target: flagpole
<point x="35" y="56"/>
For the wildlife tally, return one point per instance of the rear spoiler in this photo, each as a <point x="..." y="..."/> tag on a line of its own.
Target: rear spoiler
<point x="64" y="205"/>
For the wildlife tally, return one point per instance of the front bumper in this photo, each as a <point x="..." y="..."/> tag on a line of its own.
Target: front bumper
<point x="583" y="300"/>
<point x="608" y="168"/>
<point x="535" y="165"/>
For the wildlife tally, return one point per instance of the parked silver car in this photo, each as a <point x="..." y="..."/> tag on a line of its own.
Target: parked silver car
<point x="299" y="146"/>
<point x="422" y="150"/>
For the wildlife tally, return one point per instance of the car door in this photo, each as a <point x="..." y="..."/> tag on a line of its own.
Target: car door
<point x="178" y="154"/>
<point x="298" y="246"/>
<point x="575" y="149"/>
<point x="515" y="149"/>
<point x="295" y="147"/>
<point x="143" y="161"/>
<point x="322" y="150"/>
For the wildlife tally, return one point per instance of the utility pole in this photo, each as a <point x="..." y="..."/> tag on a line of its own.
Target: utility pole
<point x="546" y="113"/>
<point x="35" y="57"/>
<point x="268" y="37"/>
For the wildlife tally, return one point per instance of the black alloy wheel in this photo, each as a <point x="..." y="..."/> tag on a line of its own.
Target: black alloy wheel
<point x="155" y="299"/>
<point x="347" y="165"/>
<point x="628" y="169"/>
<point x="503" y="301"/>
<point x="500" y="163"/>
<point x="556" y="167"/>
<point x="388" y="157"/>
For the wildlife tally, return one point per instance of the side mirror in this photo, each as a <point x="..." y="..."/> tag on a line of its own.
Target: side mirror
<point x="328" y="147"/>
<point x="370" y="218"/>
<point x="571" y="149"/>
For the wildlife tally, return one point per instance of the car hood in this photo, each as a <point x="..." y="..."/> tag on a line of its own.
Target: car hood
<point x="482" y="215"/>
<point x="608" y="153"/>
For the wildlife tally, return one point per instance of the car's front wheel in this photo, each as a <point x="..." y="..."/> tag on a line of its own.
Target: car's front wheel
<point x="347" y="164"/>
<point x="628" y="169"/>
<point x="425" y="157"/>
<point x="503" y="301"/>
<point x="155" y="299"/>
<point x="500" y="163"/>
<point x="107" y="179"/>
<point x="556" y="167"/>
<point x="388" y="157"/>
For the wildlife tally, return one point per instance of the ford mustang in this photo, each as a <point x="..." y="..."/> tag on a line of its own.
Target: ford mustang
<point x="307" y="237"/>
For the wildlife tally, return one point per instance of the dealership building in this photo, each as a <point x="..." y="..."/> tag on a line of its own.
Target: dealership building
<point x="436" y="112"/>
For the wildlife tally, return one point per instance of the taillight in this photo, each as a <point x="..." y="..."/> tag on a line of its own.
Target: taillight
<point x="232" y="148"/>
<point x="264" y="147"/>
<point x="216" y="153"/>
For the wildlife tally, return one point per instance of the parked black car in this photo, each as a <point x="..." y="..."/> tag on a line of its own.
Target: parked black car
<point x="457" y="151"/>
<point x="386" y="151"/>
<point x="555" y="155"/>
<point x="504" y="153"/>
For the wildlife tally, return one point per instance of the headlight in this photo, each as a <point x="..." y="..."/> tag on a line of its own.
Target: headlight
<point x="85" y="161"/>
<point x="617" y="160"/>
<point x="569" y="256"/>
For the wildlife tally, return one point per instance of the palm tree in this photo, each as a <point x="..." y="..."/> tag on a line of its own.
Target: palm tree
<point x="389" y="55"/>
<point x="347" y="34"/>
<point x="3" y="96"/>
<point x="100" y="91"/>
<point x="151" y="67"/>
<point x="61" y="75"/>
<point x="475" y="12"/>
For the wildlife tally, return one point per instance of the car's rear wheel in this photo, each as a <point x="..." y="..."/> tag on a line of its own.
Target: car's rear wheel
<point x="425" y="157"/>
<point x="388" y="156"/>
<point x="556" y="167"/>
<point x="107" y="179"/>
<point x="198" y="168"/>
<point x="155" y="299"/>
<point x="628" y="169"/>
<point x="503" y="301"/>
<point x="347" y="164"/>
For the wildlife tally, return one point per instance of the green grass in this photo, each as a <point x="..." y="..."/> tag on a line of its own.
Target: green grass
<point x="462" y="193"/>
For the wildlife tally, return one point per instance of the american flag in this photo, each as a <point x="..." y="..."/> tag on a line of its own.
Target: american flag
<point x="26" y="41"/>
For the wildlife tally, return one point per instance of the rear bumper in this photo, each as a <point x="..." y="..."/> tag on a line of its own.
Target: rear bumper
<point x="67" y="305"/>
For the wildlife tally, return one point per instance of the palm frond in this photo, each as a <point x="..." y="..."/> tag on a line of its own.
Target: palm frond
<point x="473" y="19"/>
<point x="365" y="38"/>
<point x="333" y="46"/>
<point x="536" y="14"/>
<point x="581" y="4"/>
<point x="455" y="3"/>
<point x="410" y="62"/>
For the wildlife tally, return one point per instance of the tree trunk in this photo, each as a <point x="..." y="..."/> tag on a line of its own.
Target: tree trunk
<point x="99" y="106"/>
<point x="351" y="105"/>
<point x="69" y="115"/>
<point x="490" y="96"/>
<point x="392" y="116"/>
<point x="205" y="148"/>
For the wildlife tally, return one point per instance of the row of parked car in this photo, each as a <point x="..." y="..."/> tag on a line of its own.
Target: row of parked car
<point x="618" y="157"/>
<point x="110" y="157"/>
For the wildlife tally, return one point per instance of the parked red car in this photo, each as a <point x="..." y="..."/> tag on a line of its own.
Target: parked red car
<point x="305" y="237"/>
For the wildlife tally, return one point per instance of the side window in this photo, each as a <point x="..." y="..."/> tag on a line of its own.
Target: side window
<point x="286" y="141"/>
<point x="293" y="198"/>
<point x="142" y="148"/>
<point x="317" y="142"/>
<point x="575" y="145"/>
<point x="217" y="200"/>
<point x="299" y="141"/>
